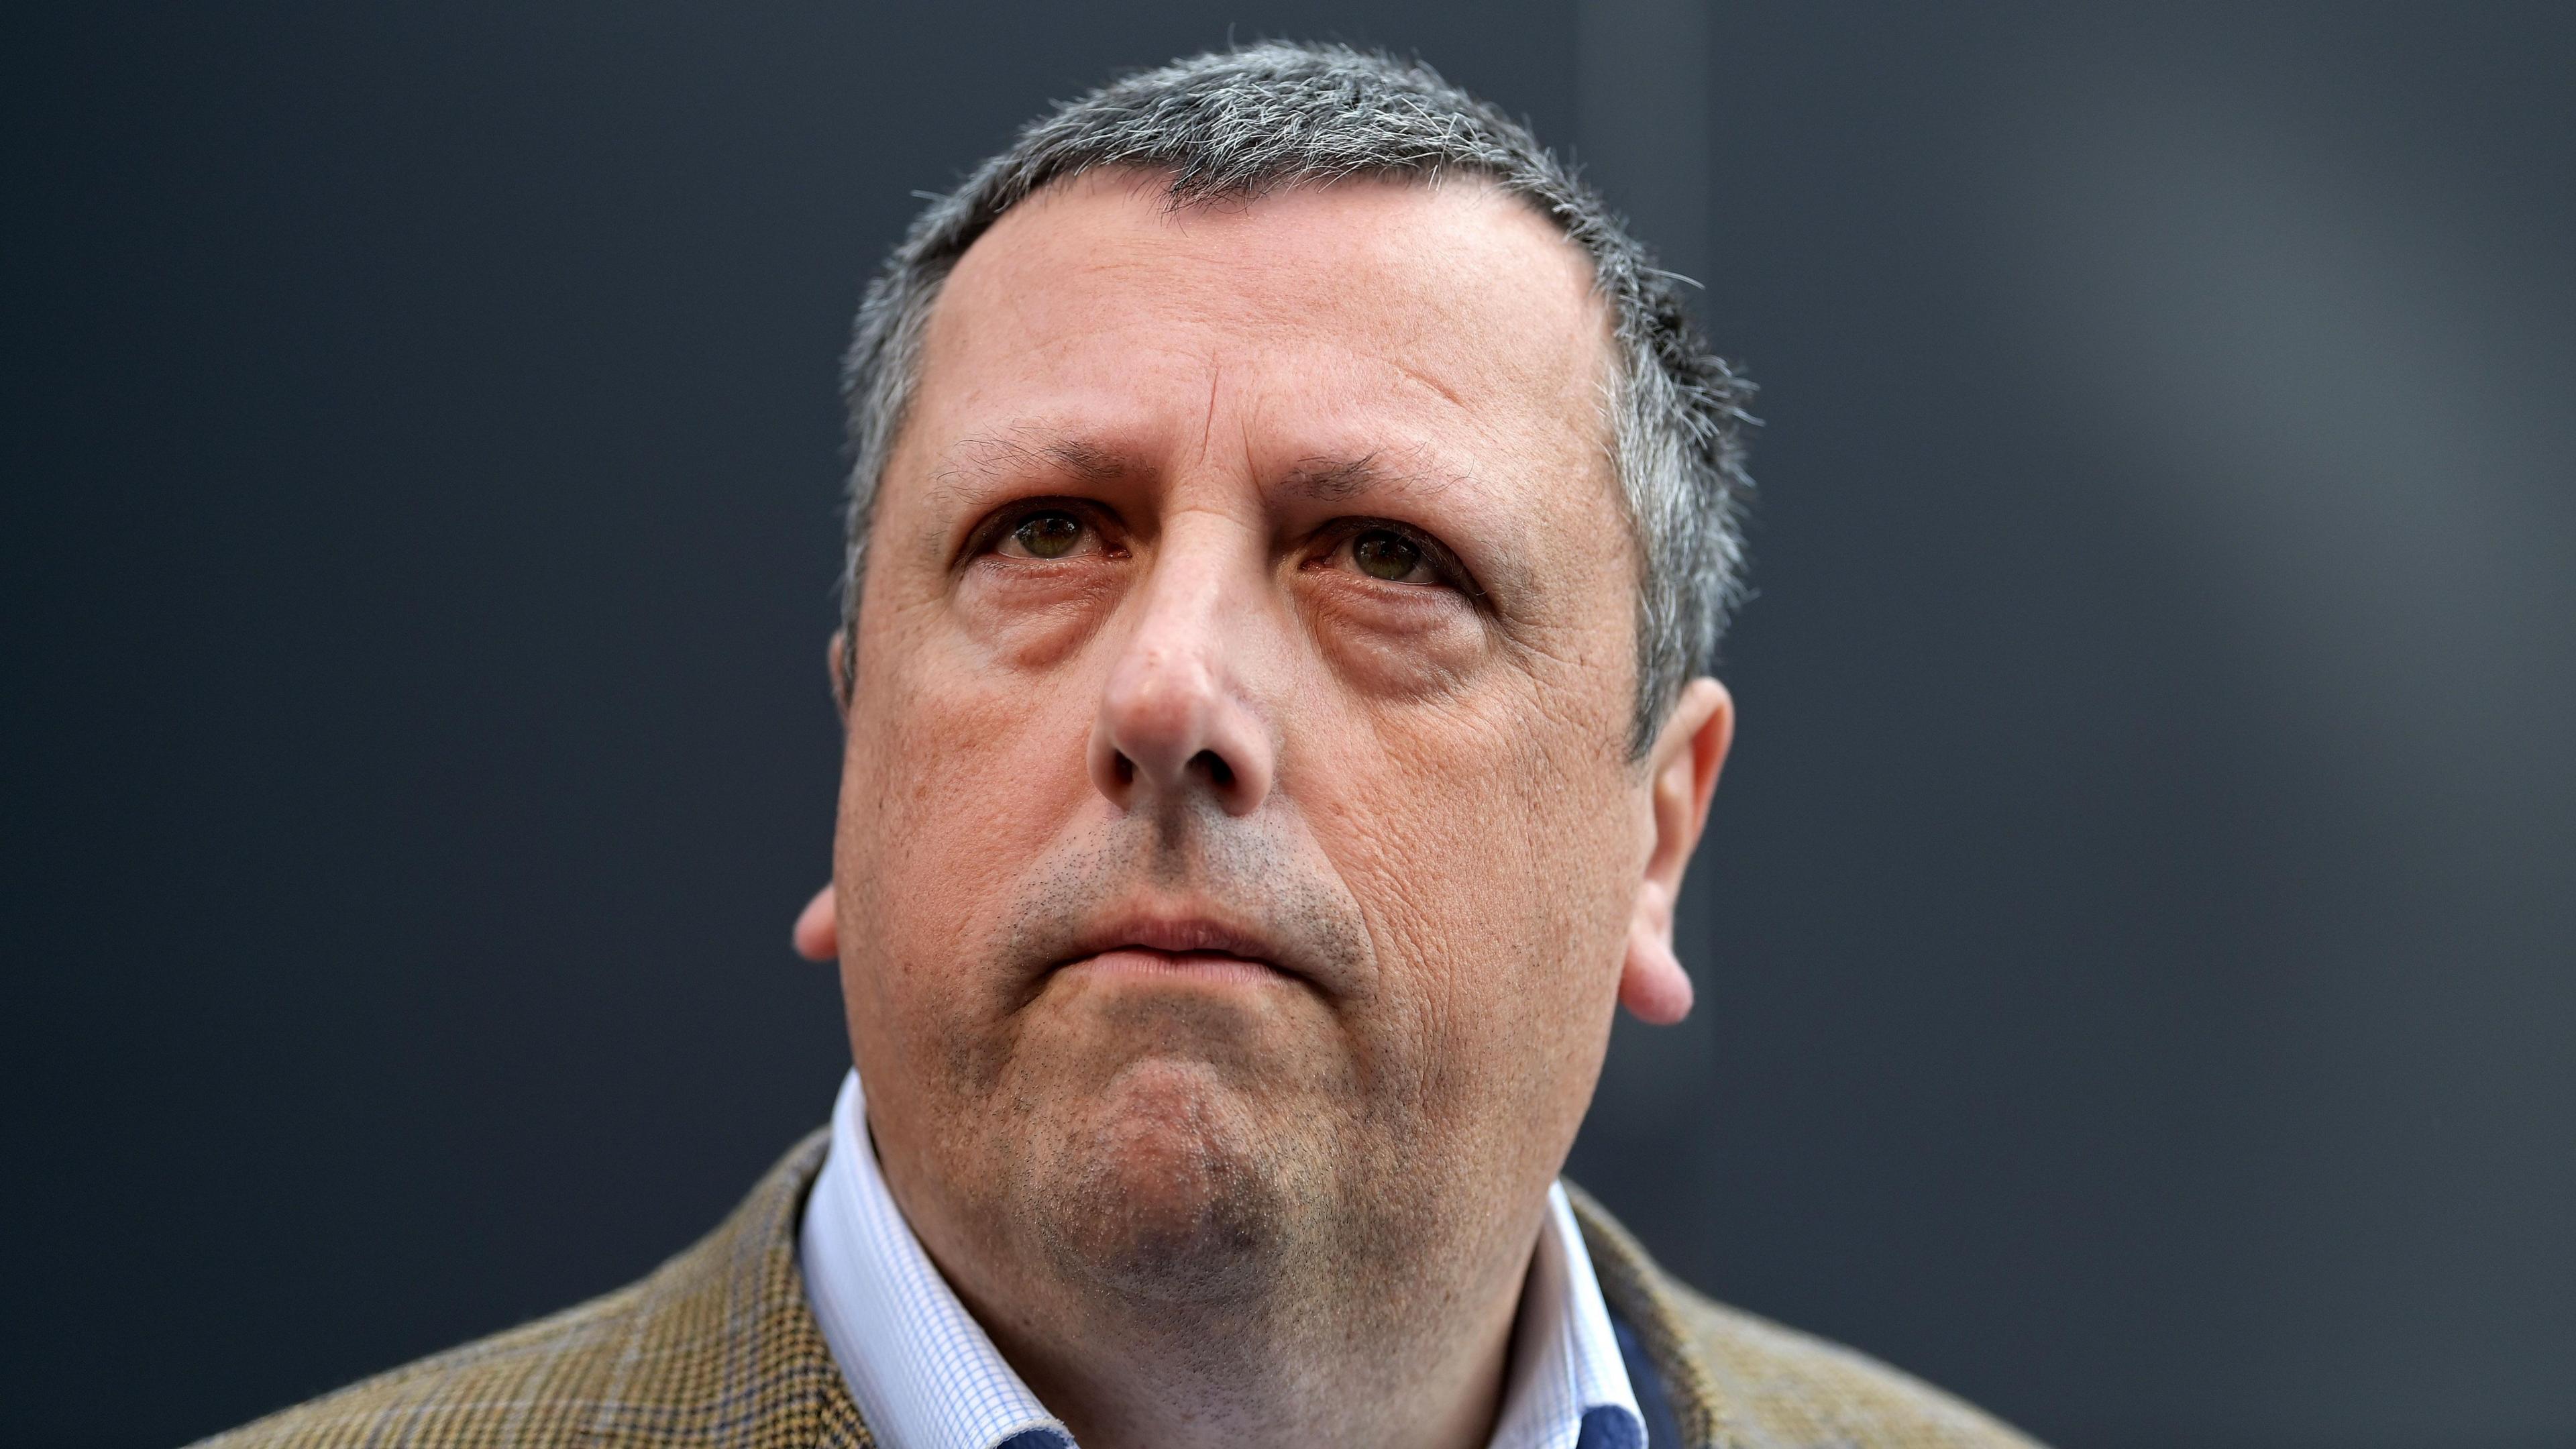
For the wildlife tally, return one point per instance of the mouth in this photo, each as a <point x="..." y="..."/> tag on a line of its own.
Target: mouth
<point x="1177" y="948"/>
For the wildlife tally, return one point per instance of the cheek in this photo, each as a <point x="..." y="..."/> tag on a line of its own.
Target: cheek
<point x="1486" y="850"/>
<point x="954" y="781"/>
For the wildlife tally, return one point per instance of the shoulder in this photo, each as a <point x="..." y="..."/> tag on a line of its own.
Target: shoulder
<point x="1777" y="1386"/>
<point x="1743" y="1382"/>
<point x="543" y="1382"/>
<point x="715" y="1347"/>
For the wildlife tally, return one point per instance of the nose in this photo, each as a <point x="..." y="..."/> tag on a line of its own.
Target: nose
<point x="1173" y="713"/>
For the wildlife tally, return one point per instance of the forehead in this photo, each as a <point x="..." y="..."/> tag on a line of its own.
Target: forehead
<point x="1333" y="319"/>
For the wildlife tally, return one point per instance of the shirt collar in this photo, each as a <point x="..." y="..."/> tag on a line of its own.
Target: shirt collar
<point x="925" y="1375"/>
<point x="922" y="1371"/>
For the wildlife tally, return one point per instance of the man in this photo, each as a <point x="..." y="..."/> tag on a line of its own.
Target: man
<point x="1288" y="524"/>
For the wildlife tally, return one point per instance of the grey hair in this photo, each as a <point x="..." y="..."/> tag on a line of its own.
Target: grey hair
<point x="1235" y="124"/>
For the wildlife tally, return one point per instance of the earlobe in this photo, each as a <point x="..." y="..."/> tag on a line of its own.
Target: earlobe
<point x="1682" y="772"/>
<point x="817" y="933"/>
<point x="1652" y="984"/>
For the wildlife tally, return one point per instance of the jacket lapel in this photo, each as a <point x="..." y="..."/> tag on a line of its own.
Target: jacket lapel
<point x="740" y="1291"/>
<point x="1637" y="1291"/>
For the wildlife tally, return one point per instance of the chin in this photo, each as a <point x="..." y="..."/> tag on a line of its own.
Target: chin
<point x="1163" y="1188"/>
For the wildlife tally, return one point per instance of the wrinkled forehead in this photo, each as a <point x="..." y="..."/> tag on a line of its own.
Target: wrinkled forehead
<point x="1448" y="315"/>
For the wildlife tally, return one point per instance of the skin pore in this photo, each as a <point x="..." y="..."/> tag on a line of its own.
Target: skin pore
<point x="1240" y="856"/>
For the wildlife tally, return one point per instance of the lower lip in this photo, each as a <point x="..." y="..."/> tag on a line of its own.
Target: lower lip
<point x="1208" y="966"/>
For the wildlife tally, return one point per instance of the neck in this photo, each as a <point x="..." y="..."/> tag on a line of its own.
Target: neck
<point x="1380" y="1365"/>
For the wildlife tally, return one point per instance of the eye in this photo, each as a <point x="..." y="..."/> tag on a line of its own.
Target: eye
<point x="1047" y="533"/>
<point x="1385" y="554"/>
<point x="1397" y="555"/>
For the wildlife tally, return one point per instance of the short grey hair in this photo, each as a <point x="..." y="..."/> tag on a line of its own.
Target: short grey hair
<point x="1235" y="124"/>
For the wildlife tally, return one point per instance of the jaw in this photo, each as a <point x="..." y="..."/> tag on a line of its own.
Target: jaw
<point x="1169" y="1193"/>
<point x="1177" y="1139"/>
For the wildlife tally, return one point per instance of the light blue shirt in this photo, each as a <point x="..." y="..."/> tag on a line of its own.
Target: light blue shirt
<point x="926" y="1376"/>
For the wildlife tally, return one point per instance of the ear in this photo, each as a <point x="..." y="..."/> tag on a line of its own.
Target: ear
<point x="818" y="929"/>
<point x="1683" y="764"/>
<point x="817" y="932"/>
<point x="836" y="662"/>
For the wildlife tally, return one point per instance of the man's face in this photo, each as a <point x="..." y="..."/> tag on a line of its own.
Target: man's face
<point x="1238" y="837"/>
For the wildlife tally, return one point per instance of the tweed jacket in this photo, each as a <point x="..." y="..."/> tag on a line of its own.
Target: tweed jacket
<point x="717" y="1349"/>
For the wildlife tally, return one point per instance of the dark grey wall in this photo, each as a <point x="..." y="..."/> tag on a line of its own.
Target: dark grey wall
<point x="2136" y="940"/>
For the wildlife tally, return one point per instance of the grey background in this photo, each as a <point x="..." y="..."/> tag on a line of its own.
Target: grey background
<point x="2135" y="935"/>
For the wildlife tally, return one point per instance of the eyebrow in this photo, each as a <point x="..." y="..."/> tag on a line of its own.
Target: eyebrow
<point x="1321" y="478"/>
<point x="989" y="457"/>
<point x="1338" y="480"/>
<point x="1087" y="461"/>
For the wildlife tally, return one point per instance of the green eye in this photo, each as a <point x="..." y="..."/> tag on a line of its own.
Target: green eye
<point x="1048" y="535"/>
<point x="1384" y="554"/>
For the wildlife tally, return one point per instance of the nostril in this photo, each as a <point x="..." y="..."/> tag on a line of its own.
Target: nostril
<point x="1220" y="774"/>
<point x="1124" y="768"/>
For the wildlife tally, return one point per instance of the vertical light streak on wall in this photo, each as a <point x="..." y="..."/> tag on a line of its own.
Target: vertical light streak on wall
<point x="2350" y="402"/>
